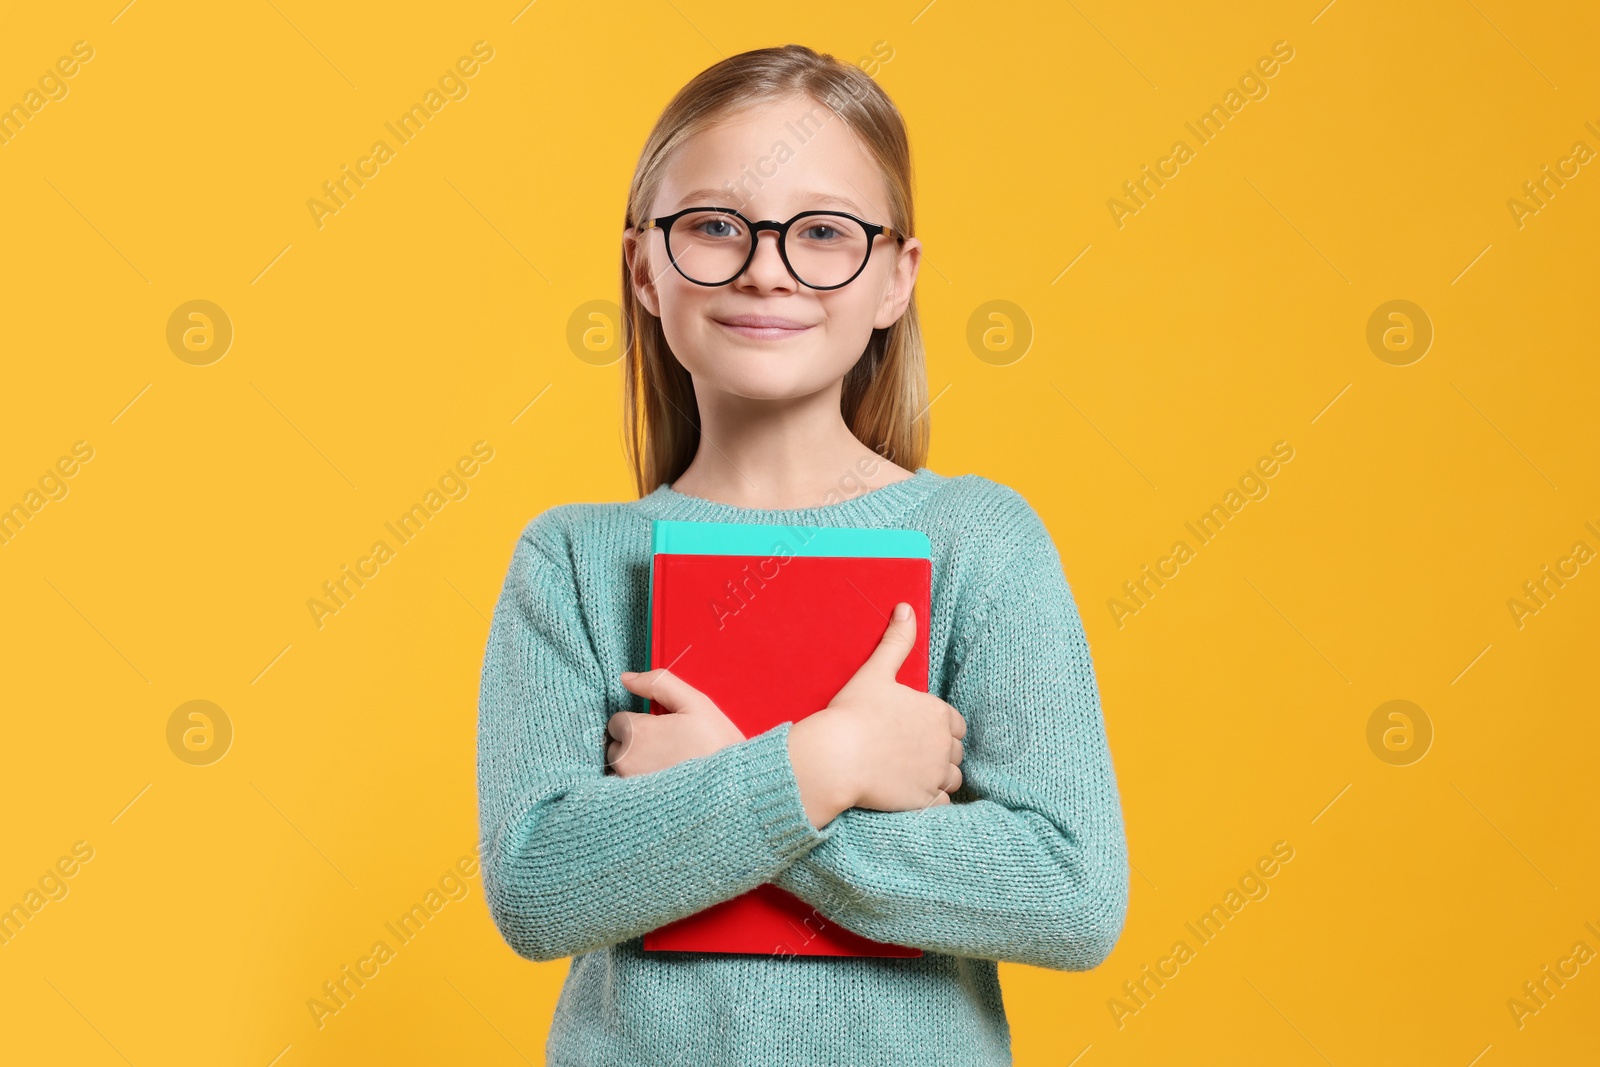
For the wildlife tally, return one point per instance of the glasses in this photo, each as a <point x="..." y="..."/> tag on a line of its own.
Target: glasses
<point x="714" y="245"/>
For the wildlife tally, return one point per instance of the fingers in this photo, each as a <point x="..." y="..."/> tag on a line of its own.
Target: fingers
<point x="662" y="687"/>
<point x="956" y="751"/>
<point x="619" y="730"/>
<point x="898" y="638"/>
<point x="941" y="795"/>
<point x="958" y="724"/>
<point x="619" y="726"/>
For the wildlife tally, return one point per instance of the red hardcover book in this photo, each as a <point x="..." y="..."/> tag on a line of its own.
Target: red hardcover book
<point x="770" y="622"/>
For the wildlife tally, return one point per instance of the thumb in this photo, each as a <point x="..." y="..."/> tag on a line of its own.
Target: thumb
<point x="663" y="687"/>
<point x="898" y="638"/>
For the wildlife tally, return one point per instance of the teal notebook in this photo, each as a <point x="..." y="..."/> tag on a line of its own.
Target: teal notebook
<point x="678" y="537"/>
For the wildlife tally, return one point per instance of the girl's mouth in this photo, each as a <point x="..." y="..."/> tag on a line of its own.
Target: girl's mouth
<point x="763" y="327"/>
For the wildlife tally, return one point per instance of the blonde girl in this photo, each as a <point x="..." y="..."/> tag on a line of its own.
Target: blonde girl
<point x="774" y="373"/>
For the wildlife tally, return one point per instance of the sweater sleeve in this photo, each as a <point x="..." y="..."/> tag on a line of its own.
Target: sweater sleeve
<point x="575" y="859"/>
<point x="1034" y="868"/>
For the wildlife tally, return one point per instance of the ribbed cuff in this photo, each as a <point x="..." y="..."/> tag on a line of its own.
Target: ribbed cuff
<point x="768" y="784"/>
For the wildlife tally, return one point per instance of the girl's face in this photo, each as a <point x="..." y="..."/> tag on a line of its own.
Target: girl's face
<point x="774" y="174"/>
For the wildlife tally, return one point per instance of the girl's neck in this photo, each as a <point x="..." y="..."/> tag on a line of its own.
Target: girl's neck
<point x="781" y="455"/>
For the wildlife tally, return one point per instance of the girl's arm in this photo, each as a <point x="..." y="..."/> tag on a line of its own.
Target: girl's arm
<point x="1035" y="870"/>
<point x="575" y="859"/>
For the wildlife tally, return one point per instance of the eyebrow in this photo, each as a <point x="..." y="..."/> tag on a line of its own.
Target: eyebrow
<point x="718" y="197"/>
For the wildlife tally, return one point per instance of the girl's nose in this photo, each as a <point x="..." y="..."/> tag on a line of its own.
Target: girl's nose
<point x="766" y="269"/>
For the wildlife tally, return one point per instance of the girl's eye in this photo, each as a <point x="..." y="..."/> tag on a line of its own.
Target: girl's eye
<point x="820" y="231"/>
<point x="717" y="228"/>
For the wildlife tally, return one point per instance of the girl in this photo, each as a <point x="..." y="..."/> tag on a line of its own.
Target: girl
<point x="774" y="374"/>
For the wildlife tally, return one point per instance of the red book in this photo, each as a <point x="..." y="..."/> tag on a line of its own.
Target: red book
<point x="734" y="606"/>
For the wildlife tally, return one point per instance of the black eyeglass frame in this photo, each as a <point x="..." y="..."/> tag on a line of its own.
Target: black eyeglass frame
<point x="664" y="224"/>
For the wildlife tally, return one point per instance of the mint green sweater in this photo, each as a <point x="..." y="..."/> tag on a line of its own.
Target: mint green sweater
<point x="1029" y="864"/>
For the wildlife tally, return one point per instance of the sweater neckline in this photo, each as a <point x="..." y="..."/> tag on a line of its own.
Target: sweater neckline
<point x="885" y="504"/>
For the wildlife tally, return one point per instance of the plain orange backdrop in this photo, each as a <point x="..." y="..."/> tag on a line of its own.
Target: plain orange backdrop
<point x="1123" y="370"/>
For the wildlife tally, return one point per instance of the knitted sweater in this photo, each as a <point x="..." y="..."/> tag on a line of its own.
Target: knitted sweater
<point x="1028" y="864"/>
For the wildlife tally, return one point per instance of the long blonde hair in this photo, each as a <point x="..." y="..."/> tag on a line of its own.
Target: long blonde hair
<point x="885" y="394"/>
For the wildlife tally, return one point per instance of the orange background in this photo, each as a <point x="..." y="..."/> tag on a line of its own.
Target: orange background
<point x="1134" y="376"/>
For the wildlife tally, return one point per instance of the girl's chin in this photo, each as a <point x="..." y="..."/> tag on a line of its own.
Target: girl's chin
<point x="760" y="387"/>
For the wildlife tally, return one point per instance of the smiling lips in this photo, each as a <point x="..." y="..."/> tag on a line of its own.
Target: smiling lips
<point x="763" y="327"/>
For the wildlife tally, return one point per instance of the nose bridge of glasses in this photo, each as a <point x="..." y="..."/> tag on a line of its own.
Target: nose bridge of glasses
<point x="779" y="231"/>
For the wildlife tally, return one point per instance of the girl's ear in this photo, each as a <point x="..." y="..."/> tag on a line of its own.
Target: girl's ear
<point x="644" y="286"/>
<point x="897" y="294"/>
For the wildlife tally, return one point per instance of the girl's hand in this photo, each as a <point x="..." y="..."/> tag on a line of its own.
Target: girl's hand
<point x="899" y="748"/>
<point x="641" y="742"/>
